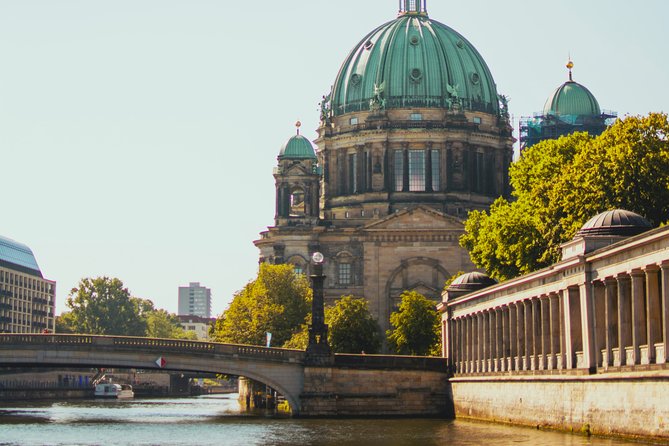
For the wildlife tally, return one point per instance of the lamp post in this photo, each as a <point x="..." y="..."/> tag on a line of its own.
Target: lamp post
<point x="318" y="349"/>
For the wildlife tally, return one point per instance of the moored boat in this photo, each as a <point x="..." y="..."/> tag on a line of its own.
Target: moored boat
<point x="109" y="390"/>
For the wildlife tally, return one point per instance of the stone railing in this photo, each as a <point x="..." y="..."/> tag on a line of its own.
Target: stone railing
<point x="152" y="344"/>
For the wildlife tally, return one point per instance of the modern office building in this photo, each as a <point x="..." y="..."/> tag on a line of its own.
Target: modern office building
<point x="195" y="300"/>
<point x="412" y="136"/>
<point x="27" y="299"/>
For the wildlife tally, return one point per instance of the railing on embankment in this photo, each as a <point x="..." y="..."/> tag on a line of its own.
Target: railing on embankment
<point x="152" y="344"/>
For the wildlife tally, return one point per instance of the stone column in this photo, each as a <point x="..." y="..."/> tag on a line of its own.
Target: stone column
<point x="554" y="309"/>
<point x="489" y="344"/>
<point x="466" y="327"/>
<point x="664" y="298"/>
<point x="624" y="320"/>
<point x="611" y="317"/>
<point x="536" y="334"/>
<point x="529" y="336"/>
<point x="572" y="325"/>
<point x="653" y="311"/>
<point x="498" y="355"/>
<point x="638" y="315"/>
<point x="513" y="336"/>
<point x="599" y="314"/>
<point x="588" y="337"/>
<point x="563" y="298"/>
<point x="545" y="333"/>
<point x="502" y="333"/>
<point x="493" y="340"/>
<point x="479" y="342"/>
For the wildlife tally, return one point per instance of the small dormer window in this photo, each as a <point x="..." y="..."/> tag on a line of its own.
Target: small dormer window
<point x="416" y="116"/>
<point x="354" y="121"/>
<point x="477" y="120"/>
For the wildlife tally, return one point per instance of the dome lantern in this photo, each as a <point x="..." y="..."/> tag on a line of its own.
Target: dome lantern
<point x="413" y="7"/>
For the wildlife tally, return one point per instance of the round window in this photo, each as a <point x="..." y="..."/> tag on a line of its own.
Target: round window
<point x="416" y="75"/>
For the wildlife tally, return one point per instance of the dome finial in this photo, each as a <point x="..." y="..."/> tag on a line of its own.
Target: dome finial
<point x="570" y="65"/>
<point x="298" y="124"/>
<point x="413" y="7"/>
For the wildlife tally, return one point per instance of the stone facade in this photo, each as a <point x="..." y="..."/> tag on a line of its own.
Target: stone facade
<point x="631" y="404"/>
<point x="589" y="334"/>
<point x="412" y="249"/>
<point x="336" y="391"/>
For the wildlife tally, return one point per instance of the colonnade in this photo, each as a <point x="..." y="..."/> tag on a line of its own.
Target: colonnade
<point x="614" y="321"/>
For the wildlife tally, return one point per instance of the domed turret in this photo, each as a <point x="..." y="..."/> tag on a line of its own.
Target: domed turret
<point x="572" y="99"/>
<point x="414" y="61"/>
<point x="617" y="222"/>
<point x="570" y="108"/>
<point x="297" y="147"/>
<point x="467" y="283"/>
<point x="473" y="281"/>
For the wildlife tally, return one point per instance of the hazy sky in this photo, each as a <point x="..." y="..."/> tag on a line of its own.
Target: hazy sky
<point x="138" y="137"/>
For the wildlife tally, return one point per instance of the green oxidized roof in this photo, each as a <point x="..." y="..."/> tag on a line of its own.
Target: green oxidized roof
<point x="297" y="147"/>
<point x="572" y="99"/>
<point x="420" y="63"/>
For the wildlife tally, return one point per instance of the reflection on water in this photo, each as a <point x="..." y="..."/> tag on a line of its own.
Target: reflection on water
<point x="216" y="420"/>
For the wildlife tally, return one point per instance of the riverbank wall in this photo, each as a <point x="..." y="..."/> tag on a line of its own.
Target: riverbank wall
<point x="627" y="404"/>
<point x="373" y="386"/>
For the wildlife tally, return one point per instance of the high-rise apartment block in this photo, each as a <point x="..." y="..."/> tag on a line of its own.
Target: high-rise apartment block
<point x="195" y="300"/>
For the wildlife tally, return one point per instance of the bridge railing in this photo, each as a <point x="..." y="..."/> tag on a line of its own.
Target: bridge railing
<point x="172" y="345"/>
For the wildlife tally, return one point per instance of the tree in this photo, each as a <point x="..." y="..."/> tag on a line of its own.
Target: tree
<point x="277" y="301"/>
<point x="162" y="324"/>
<point x="416" y="326"/>
<point x="351" y="328"/>
<point x="103" y="306"/>
<point x="65" y="323"/>
<point x="560" y="184"/>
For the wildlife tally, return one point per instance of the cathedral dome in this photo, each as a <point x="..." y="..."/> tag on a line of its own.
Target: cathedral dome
<point x="297" y="148"/>
<point x="572" y="99"/>
<point x="414" y="61"/>
<point x="617" y="222"/>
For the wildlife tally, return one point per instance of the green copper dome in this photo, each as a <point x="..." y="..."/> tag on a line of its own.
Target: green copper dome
<point x="572" y="99"/>
<point x="297" y="148"/>
<point x="414" y="61"/>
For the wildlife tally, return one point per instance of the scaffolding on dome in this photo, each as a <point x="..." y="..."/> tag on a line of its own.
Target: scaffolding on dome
<point x="542" y="127"/>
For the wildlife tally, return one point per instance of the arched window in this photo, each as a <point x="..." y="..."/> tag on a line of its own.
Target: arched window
<point x="297" y="203"/>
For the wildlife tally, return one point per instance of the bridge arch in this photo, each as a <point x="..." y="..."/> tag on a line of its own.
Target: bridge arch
<point x="281" y="369"/>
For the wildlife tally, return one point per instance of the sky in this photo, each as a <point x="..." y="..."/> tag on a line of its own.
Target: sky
<point x="138" y="137"/>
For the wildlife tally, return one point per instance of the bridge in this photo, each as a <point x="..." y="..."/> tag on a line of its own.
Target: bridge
<point x="345" y="385"/>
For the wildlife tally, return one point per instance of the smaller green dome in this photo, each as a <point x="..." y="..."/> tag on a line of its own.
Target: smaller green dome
<point x="297" y="148"/>
<point x="572" y="99"/>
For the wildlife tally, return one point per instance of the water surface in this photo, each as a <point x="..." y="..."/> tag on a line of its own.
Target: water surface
<point x="216" y="420"/>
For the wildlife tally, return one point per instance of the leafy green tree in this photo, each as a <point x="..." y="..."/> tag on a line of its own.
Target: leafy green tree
<point x="560" y="184"/>
<point x="65" y="323"/>
<point x="351" y="328"/>
<point x="277" y="301"/>
<point x="162" y="324"/>
<point x="416" y="326"/>
<point x="104" y="306"/>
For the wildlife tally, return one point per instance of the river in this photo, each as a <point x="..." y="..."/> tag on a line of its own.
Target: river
<point x="216" y="420"/>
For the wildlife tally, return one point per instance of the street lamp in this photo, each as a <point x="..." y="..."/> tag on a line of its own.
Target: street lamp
<point x="318" y="349"/>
